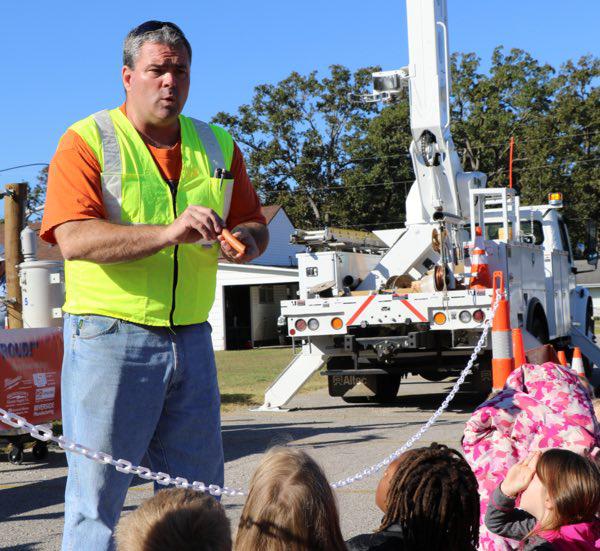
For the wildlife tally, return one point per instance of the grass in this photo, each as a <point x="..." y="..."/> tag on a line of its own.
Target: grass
<point x="244" y="375"/>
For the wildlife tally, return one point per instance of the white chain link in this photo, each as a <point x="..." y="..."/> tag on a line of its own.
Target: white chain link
<point x="419" y="434"/>
<point x="44" y="434"/>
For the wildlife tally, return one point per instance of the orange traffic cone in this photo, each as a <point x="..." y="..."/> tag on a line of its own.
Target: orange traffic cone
<point x="562" y="358"/>
<point x="480" y="272"/>
<point x="502" y="358"/>
<point x="577" y="363"/>
<point x="518" y="349"/>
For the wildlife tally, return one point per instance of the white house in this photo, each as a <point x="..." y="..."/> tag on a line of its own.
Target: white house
<point x="590" y="277"/>
<point x="247" y="296"/>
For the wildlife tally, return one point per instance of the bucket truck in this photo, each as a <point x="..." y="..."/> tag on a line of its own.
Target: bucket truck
<point x="371" y="310"/>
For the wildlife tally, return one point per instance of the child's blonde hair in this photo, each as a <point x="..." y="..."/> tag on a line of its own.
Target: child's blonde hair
<point x="290" y="507"/>
<point x="178" y="520"/>
<point x="573" y="484"/>
<point x="596" y="407"/>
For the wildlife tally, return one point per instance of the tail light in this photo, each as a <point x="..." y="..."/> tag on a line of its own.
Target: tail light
<point x="439" y="318"/>
<point x="479" y="316"/>
<point x="313" y="324"/>
<point x="300" y="325"/>
<point x="465" y="316"/>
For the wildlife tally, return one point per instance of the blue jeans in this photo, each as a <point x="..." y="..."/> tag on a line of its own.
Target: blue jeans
<point x="133" y="390"/>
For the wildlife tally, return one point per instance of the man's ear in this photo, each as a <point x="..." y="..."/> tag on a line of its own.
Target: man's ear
<point x="126" y="77"/>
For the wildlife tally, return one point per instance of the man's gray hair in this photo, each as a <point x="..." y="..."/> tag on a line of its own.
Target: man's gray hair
<point x="161" y="32"/>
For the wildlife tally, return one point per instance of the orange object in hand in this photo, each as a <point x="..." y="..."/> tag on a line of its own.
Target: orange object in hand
<point x="233" y="241"/>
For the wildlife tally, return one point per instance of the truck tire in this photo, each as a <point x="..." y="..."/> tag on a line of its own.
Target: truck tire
<point x="539" y="325"/>
<point x="387" y="389"/>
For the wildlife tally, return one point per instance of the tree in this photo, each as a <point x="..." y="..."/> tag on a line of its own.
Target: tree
<point x="328" y="160"/>
<point x="553" y="117"/>
<point x="36" y="196"/>
<point x="296" y="137"/>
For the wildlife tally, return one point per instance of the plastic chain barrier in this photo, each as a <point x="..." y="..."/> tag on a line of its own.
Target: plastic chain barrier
<point x="122" y="465"/>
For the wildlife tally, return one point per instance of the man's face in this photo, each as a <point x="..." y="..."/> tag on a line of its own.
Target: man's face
<point x="157" y="87"/>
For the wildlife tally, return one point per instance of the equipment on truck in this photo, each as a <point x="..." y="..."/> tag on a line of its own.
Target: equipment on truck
<point x="418" y="306"/>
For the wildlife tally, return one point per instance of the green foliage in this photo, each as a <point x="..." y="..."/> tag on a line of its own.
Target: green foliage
<point x="36" y="196"/>
<point x="333" y="162"/>
<point x="296" y="137"/>
<point x="554" y="117"/>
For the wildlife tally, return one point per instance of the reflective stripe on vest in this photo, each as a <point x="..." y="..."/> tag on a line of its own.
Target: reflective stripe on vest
<point x="211" y="145"/>
<point x="111" y="179"/>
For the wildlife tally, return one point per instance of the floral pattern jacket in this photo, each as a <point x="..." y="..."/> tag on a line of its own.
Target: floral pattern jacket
<point x="540" y="407"/>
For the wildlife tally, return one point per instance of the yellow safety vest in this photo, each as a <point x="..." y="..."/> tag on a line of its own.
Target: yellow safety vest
<point x="175" y="286"/>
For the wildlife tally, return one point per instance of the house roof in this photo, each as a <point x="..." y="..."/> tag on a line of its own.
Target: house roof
<point x="269" y="211"/>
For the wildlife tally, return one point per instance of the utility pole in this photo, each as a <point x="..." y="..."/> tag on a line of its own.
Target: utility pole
<point x="15" y="199"/>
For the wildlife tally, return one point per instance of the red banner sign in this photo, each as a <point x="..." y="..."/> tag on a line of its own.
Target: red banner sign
<point x="30" y="366"/>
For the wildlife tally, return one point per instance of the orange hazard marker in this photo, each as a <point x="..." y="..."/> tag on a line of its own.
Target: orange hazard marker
<point x="577" y="363"/>
<point x="502" y="357"/>
<point x="518" y="349"/>
<point x="480" y="271"/>
<point x="562" y="358"/>
<point x="233" y="241"/>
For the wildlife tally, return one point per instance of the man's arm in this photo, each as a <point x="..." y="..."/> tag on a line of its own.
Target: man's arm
<point x="105" y="242"/>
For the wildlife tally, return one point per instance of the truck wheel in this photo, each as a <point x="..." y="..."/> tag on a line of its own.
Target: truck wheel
<point x="15" y="455"/>
<point x="480" y="379"/>
<point x="539" y="328"/>
<point x="40" y="450"/>
<point x="387" y="389"/>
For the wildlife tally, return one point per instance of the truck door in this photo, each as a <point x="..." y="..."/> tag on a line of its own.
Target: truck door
<point x="561" y="272"/>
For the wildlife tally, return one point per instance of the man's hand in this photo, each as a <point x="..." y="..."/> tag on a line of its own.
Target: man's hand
<point x="196" y="223"/>
<point x="244" y="235"/>
<point x="520" y="475"/>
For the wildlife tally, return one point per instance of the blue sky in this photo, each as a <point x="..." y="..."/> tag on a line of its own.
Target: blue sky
<point x="62" y="59"/>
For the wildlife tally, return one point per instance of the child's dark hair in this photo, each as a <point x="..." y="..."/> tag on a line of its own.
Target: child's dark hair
<point x="434" y="498"/>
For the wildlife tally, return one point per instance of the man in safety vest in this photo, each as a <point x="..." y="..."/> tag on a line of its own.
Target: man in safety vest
<point x="137" y="199"/>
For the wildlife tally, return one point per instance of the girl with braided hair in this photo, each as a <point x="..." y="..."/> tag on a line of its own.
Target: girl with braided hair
<point x="430" y="502"/>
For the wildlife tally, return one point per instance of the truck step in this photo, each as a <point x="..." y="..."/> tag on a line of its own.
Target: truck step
<point x="291" y="380"/>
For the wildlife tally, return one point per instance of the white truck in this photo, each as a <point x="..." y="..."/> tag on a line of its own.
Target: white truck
<point x="373" y="308"/>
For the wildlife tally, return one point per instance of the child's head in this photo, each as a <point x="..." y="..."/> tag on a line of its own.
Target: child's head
<point x="596" y="406"/>
<point x="290" y="507"/>
<point x="432" y="494"/>
<point x="565" y="489"/>
<point x="179" y="520"/>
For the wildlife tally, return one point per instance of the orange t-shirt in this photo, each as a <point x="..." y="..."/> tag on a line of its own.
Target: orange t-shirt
<point x="75" y="192"/>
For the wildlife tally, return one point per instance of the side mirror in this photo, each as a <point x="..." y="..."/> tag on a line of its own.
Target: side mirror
<point x="592" y="259"/>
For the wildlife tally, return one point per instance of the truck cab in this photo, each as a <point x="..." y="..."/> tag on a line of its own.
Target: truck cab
<point x="565" y="303"/>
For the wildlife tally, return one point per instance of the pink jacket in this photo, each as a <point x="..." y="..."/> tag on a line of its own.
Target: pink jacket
<point x="541" y="407"/>
<point x="584" y="536"/>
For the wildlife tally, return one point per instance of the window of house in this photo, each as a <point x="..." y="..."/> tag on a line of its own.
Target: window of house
<point x="265" y="295"/>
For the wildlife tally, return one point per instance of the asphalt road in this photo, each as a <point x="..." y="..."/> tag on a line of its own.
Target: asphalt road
<point x="344" y="438"/>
